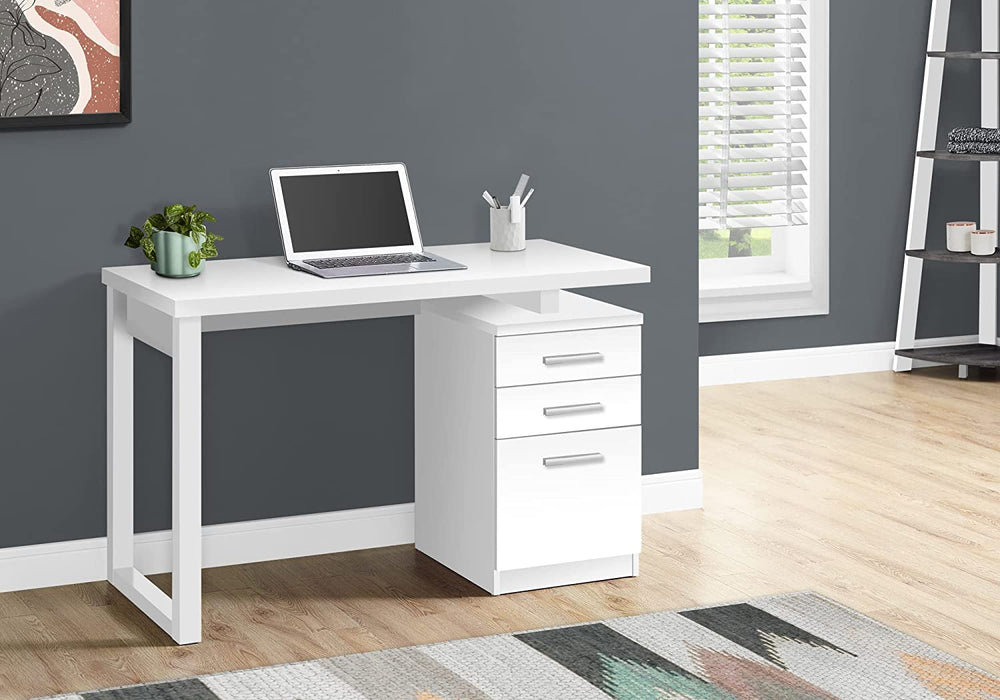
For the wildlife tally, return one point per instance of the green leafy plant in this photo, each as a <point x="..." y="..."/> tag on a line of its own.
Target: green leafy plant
<point x="178" y="218"/>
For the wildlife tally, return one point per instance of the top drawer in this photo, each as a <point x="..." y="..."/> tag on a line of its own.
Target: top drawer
<point x="568" y="356"/>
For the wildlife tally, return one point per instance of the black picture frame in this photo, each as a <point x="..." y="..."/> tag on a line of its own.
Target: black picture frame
<point x="124" y="113"/>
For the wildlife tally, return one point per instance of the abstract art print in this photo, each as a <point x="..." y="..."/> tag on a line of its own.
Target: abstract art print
<point x="64" y="62"/>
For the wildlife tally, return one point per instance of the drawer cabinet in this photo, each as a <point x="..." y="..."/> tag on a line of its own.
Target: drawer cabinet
<point x="567" y="497"/>
<point x="568" y="356"/>
<point x="528" y="441"/>
<point x="541" y="409"/>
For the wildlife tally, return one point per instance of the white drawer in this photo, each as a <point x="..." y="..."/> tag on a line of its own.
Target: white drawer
<point x="563" y="498"/>
<point x="540" y="409"/>
<point x="568" y="356"/>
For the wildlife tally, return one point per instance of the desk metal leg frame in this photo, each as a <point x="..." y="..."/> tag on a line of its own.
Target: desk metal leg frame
<point x="179" y="614"/>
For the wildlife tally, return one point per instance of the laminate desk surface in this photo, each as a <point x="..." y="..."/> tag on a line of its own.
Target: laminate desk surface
<point x="244" y="285"/>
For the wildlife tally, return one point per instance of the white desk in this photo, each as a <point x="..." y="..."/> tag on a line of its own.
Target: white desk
<point x="171" y="314"/>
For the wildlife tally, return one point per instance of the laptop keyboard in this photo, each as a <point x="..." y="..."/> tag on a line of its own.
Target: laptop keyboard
<point x="362" y="260"/>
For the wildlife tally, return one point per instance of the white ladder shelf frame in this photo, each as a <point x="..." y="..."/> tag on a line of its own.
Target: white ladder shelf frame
<point x="923" y="172"/>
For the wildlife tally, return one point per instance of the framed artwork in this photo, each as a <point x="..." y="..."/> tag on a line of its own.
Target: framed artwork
<point x="64" y="62"/>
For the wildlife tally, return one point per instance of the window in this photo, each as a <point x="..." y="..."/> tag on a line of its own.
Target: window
<point x="762" y="170"/>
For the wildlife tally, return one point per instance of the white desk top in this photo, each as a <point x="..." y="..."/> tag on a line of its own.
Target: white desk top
<point x="246" y="285"/>
<point x="575" y="312"/>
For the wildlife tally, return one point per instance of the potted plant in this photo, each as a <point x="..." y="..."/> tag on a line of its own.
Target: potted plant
<point x="177" y="241"/>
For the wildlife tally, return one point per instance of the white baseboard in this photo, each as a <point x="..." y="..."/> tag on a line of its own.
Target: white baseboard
<point x="809" y="362"/>
<point x="80" y="561"/>
<point x="665" y="493"/>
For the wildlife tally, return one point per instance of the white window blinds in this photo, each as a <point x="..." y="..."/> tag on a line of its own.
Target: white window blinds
<point x="753" y="79"/>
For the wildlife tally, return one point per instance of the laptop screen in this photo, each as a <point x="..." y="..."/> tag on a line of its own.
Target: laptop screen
<point x="344" y="211"/>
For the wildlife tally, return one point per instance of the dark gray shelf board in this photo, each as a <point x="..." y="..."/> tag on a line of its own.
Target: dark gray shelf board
<point x="945" y="155"/>
<point x="950" y="257"/>
<point x="973" y="55"/>
<point x="976" y="355"/>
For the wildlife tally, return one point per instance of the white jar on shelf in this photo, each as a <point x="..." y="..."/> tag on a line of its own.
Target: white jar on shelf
<point x="959" y="236"/>
<point x="984" y="242"/>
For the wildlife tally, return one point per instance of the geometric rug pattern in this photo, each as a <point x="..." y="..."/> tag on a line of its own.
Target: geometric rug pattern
<point x="797" y="646"/>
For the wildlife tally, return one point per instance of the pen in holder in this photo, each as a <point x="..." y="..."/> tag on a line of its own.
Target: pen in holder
<point x="507" y="227"/>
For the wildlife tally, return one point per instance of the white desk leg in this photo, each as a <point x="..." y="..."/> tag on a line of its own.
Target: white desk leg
<point x="180" y="614"/>
<point x="119" y="429"/>
<point x="186" y="593"/>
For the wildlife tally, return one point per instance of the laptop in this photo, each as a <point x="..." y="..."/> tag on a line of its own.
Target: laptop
<point x="351" y="221"/>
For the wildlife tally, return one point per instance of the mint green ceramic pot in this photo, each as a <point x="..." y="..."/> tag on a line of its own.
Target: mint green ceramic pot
<point x="172" y="251"/>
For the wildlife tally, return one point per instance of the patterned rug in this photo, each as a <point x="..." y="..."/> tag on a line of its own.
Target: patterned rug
<point x="798" y="645"/>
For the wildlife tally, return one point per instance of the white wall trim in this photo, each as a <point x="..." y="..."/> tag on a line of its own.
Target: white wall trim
<point x="80" y="561"/>
<point x="671" y="491"/>
<point x="809" y="362"/>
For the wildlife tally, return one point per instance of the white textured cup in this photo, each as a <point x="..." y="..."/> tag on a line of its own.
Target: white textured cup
<point x="959" y="236"/>
<point x="505" y="235"/>
<point x="984" y="242"/>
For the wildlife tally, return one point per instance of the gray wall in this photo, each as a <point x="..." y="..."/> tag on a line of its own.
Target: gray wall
<point x="594" y="99"/>
<point x="876" y="66"/>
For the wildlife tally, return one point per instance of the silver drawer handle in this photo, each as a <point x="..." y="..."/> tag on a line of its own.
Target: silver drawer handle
<point x="565" y="460"/>
<point x="573" y="408"/>
<point x="575" y="357"/>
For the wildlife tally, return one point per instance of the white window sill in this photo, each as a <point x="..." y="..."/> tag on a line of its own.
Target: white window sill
<point x="757" y="283"/>
<point x="761" y="295"/>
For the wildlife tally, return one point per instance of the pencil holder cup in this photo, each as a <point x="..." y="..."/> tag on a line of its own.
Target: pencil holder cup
<point x="506" y="235"/>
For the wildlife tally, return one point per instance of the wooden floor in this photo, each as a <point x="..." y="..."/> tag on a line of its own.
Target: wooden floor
<point x="877" y="490"/>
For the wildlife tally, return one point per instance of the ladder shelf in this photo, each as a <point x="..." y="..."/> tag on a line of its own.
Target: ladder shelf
<point x="968" y="55"/>
<point x="975" y="355"/>
<point x="947" y="155"/>
<point x="985" y="353"/>
<point x="950" y="257"/>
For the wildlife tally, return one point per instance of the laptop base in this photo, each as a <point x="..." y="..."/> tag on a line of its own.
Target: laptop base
<point x="369" y="270"/>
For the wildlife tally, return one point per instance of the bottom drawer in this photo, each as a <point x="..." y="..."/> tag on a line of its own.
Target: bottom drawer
<point x="568" y="497"/>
